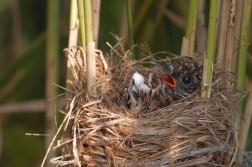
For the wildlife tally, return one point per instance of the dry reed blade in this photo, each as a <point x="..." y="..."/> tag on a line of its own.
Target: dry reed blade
<point x="96" y="19"/>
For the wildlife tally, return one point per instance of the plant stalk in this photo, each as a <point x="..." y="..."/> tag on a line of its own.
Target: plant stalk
<point x="52" y="59"/>
<point x="82" y="23"/>
<point x="237" y="33"/>
<point x="141" y="15"/>
<point x="96" y="19"/>
<point x="91" y="65"/>
<point x="192" y="17"/>
<point x="201" y="33"/>
<point x="244" y="130"/>
<point x="188" y="43"/>
<point x="72" y="41"/>
<point x="130" y="30"/>
<point x="222" y="35"/>
<point x="88" y="21"/>
<point x="210" y="52"/>
<point x="73" y="14"/>
<point x="229" y="44"/>
<point x="241" y="69"/>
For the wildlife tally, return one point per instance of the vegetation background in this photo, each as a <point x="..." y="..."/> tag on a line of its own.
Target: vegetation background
<point x="23" y="56"/>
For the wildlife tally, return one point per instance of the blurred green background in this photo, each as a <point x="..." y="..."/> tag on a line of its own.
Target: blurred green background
<point x="23" y="55"/>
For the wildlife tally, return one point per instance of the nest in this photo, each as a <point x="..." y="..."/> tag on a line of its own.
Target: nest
<point x="99" y="132"/>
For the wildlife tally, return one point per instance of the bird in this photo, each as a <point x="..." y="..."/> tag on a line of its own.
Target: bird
<point x="153" y="91"/>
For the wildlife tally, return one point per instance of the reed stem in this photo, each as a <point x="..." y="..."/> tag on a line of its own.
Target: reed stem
<point x="241" y="72"/>
<point x="82" y="23"/>
<point x="130" y="30"/>
<point x="192" y="17"/>
<point x="73" y="14"/>
<point x="88" y="21"/>
<point x="91" y="65"/>
<point x="241" y="69"/>
<point x="188" y="43"/>
<point x="210" y="52"/>
<point x="52" y="59"/>
<point x="72" y="41"/>
<point x="96" y="4"/>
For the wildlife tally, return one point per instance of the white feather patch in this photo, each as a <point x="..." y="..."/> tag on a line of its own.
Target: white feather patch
<point x="139" y="83"/>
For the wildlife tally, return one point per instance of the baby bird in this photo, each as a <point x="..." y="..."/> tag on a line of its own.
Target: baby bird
<point x="152" y="91"/>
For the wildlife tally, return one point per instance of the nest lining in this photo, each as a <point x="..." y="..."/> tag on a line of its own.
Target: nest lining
<point x="192" y="132"/>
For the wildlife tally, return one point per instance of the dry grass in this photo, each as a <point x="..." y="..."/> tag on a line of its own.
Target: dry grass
<point x="191" y="132"/>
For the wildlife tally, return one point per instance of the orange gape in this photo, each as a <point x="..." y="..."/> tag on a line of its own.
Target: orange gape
<point x="169" y="80"/>
<point x="151" y="92"/>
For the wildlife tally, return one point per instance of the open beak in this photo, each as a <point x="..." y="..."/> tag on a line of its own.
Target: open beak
<point x="169" y="80"/>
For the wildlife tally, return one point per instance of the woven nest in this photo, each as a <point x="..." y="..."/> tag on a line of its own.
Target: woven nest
<point x="100" y="132"/>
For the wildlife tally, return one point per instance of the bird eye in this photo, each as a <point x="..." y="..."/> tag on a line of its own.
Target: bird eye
<point x="187" y="80"/>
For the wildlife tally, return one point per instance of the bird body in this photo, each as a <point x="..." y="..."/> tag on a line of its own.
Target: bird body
<point x="151" y="91"/>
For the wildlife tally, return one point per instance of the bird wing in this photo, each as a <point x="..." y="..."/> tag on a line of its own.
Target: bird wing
<point x="146" y="93"/>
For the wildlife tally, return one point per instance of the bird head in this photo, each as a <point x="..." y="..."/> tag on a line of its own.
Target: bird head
<point x="182" y="75"/>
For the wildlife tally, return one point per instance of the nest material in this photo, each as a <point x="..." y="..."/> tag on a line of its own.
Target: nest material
<point x="192" y="132"/>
